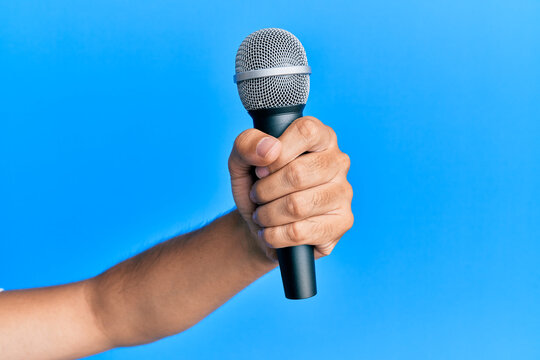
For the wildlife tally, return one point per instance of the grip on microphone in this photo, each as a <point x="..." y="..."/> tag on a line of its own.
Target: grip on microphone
<point x="297" y="263"/>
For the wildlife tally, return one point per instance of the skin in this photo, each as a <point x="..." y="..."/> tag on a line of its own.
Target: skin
<point x="301" y="196"/>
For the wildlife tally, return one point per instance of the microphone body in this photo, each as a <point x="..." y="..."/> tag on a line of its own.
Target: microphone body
<point x="296" y="263"/>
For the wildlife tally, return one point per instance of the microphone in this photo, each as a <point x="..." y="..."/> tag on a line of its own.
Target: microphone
<point x="272" y="76"/>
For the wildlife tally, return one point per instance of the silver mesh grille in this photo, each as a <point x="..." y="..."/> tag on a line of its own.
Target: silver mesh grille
<point x="270" y="48"/>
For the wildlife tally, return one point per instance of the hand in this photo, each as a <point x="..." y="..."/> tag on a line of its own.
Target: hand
<point x="302" y="195"/>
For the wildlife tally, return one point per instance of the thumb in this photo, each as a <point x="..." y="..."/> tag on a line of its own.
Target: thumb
<point x="252" y="148"/>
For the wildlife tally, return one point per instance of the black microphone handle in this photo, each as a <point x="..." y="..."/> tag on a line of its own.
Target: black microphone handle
<point x="297" y="263"/>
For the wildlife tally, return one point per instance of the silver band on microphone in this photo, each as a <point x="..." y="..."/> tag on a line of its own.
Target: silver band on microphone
<point x="286" y="70"/>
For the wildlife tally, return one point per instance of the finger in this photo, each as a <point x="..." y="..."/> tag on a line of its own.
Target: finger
<point x="303" y="204"/>
<point x="252" y="147"/>
<point x="307" y="171"/>
<point x="306" y="134"/>
<point x="319" y="231"/>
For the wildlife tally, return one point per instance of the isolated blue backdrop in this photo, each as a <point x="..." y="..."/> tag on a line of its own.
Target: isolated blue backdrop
<point x="117" y="118"/>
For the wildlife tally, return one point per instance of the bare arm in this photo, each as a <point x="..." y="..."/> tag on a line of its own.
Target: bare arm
<point x="174" y="285"/>
<point x="157" y="293"/>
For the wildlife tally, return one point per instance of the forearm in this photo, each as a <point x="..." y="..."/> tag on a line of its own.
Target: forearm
<point x="173" y="285"/>
<point x="49" y="323"/>
<point x="157" y="293"/>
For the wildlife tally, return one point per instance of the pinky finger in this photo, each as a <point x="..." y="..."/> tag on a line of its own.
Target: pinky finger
<point x="322" y="231"/>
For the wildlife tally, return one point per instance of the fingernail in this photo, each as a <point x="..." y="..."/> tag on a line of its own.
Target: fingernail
<point x="252" y="195"/>
<point x="260" y="234"/>
<point x="254" y="217"/>
<point x="261" y="171"/>
<point x="265" y="146"/>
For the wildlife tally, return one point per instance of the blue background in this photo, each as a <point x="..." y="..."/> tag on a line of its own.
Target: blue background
<point x="116" y="122"/>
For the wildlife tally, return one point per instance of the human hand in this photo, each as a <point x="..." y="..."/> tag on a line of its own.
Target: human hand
<point x="301" y="196"/>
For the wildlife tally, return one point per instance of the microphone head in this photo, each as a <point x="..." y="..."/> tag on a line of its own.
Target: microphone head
<point x="272" y="70"/>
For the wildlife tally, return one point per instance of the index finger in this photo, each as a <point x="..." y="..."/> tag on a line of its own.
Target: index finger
<point x="305" y="134"/>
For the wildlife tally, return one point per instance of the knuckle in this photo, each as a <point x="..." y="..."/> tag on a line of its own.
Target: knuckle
<point x="333" y="135"/>
<point x="295" y="174"/>
<point x="350" y="221"/>
<point x="242" y="139"/>
<point x="348" y="191"/>
<point x="294" y="232"/>
<point x="308" y="127"/>
<point x="294" y="206"/>
<point x="345" y="161"/>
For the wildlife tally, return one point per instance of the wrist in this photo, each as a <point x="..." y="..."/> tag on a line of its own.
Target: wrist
<point x="257" y="256"/>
